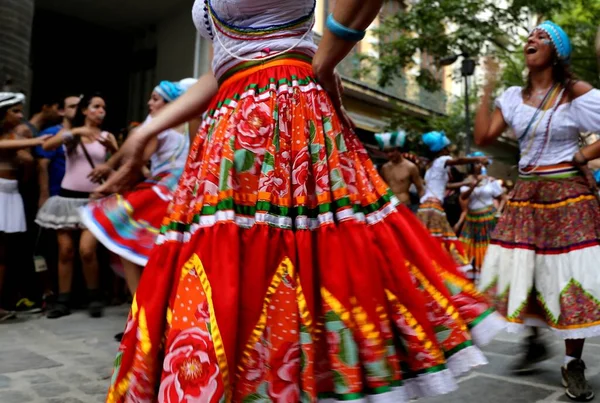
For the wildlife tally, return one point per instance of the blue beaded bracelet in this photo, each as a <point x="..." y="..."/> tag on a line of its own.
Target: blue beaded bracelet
<point x="343" y="32"/>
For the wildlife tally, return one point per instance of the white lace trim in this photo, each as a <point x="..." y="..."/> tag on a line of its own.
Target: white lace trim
<point x="466" y="359"/>
<point x="487" y="329"/>
<point x="565" y="334"/>
<point x="429" y="385"/>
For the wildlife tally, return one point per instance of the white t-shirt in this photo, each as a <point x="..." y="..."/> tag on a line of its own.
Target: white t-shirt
<point x="484" y="194"/>
<point x="436" y="179"/>
<point x="579" y="116"/>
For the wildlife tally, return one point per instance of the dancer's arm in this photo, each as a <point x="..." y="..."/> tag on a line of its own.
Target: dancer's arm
<point x="467" y="161"/>
<point x="353" y="14"/>
<point x="489" y="125"/>
<point x="467" y="193"/>
<point x="186" y="107"/>
<point x="18" y="144"/>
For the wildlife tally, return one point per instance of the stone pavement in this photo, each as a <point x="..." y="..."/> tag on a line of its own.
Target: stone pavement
<point x="69" y="360"/>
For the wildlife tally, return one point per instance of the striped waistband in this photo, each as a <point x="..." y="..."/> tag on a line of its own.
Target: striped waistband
<point x="245" y="69"/>
<point x="482" y="211"/>
<point x="558" y="171"/>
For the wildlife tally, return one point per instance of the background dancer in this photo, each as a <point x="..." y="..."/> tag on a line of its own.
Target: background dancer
<point x="86" y="145"/>
<point x="542" y="263"/>
<point x="399" y="173"/>
<point x="431" y="211"/>
<point x="128" y="224"/>
<point x="480" y="216"/>
<point x="257" y="287"/>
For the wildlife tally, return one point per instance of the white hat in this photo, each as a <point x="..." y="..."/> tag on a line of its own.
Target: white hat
<point x="11" y="98"/>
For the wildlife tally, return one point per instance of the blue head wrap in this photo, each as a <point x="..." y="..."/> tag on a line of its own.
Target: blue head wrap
<point x="435" y="141"/>
<point x="559" y="39"/>
<point x="170" y="91"/>
<point x="391" y="140"/>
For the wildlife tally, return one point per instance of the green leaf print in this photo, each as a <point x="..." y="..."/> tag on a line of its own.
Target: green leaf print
<point x="327" y="127"/>
<point x="226" y="166"/>
<point x="305" y="397"/>
<point x="314" y="152"/>
<point x="244" y="160"/>
<point x="340" y="383"/>
<point x="348" y="352"/>
<point x="255" y="397"/>
<point x="337" y="182"/>
<point x="341" y="143"/>
<point x="312" y="131"/>
<point x="328" y="145"/>
<point x="331" y="316"/>
<point x="442" y="333"/>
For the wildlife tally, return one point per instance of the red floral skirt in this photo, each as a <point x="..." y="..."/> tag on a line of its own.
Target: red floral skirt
<point x="432" y="215"/>
<point x="284" y="271"/>
<point x="128" y="224"/>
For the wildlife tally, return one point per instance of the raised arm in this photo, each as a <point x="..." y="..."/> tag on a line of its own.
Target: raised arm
<point x="488" y="125"/>
<point x="467" y="161"/>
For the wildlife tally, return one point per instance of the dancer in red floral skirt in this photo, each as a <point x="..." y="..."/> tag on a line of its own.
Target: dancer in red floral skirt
<point x="284" y="271"/>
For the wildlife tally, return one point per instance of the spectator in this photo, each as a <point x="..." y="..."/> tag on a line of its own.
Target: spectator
<point x="13" y="151"/>
<point x="87" y="145"/>
<point x="51" y="170"/>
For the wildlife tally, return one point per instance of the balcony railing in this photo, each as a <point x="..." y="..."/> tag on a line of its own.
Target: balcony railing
<point x="401" y="88"/>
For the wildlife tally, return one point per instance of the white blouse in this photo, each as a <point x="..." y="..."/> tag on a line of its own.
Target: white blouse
<point x="484" y="194"/>
<point x="569" y="120"/>
<point x="254" y="29"/>
<point x="436" y="179"/>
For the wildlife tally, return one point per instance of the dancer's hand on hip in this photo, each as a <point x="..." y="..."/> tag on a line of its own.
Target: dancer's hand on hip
<point x="332" y="83"/>
<point x="132" y="162"/>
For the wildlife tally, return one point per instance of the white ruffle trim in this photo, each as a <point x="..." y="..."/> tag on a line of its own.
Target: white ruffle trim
<point x="396" y="395"/>
<point x="429" y="385"/>
<point x="465" y="360"/>
<point x="565" y="334"/>
<point x="485" y="331"/>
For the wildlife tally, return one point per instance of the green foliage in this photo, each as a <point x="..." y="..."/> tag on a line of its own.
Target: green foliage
<point x="439" y="28"/>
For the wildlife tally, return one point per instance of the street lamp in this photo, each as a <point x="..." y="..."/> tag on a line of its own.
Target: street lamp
<point x="467" y="69"/>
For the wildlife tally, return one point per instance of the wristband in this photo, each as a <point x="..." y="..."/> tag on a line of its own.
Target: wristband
<point x="343" y="32"/>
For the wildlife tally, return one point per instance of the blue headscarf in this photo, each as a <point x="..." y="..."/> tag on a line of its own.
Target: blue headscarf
<point x="559" y="39"/>
<point x="170" y="91"/>
<point x="435" y="141"/>
<point x="391" y="140"/>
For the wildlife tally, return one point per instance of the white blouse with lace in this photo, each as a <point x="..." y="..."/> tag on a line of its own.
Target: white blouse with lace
<point x="254" y="29"/>
<point x="569" y="120"/>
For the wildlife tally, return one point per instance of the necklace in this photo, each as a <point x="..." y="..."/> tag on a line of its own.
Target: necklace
<point x="540" y="94"/>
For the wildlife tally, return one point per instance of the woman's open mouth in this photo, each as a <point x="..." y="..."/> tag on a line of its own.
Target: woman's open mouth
<point x="531" y="50"/>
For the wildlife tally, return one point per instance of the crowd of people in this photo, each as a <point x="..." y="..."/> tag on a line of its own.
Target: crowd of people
<point x="51" y="165"/>
<point x="267" y="257"/>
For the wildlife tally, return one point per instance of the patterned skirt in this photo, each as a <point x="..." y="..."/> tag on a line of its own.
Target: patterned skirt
<point x="128" y="224"/>
<point x="284" y="271"/>
<point x="542" y="262"/>
<point x="432" y="215"/>
<point x="476" y="234"/>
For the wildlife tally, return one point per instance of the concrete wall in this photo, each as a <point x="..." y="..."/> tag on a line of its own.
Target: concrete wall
<point x="176" y="39"/>
<point x="16" y="17"/>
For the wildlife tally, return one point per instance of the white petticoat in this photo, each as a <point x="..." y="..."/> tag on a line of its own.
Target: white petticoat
<point x="61" y="213"/>
<point x="12" y="210"/>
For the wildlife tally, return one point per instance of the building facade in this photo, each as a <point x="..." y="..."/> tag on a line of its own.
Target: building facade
<point x="122" y="48"/>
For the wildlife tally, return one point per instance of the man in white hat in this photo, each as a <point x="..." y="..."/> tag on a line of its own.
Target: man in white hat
<point x="399" y="173"/>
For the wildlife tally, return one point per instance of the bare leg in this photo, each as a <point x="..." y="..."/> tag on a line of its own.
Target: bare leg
<point x="2" y="267"/>
<point x="66" y="254"/>
<point x="574" y="347"/>
<point x="133" y="273"/>
<point x="89" y="258"/>
<point x="91" y="271"/>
